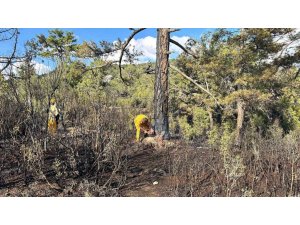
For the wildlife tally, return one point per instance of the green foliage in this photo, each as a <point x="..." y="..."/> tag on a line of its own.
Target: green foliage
<point x="196" y="126"/>
<point x="75" y="72"/>
<point x="276" y="132"/>
<point x="260" y="120"/>
<point x="236" y="66"/>
<point x="241" y="65"/>
<point x="3" y="85"/>
<point x="58" y="43"/>
<point x="227" y="138"/>
<point x="214" y="137"/>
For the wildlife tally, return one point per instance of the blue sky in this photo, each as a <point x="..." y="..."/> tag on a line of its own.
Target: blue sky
<point x="108" y="34"/>
<point x="144" y="41"/>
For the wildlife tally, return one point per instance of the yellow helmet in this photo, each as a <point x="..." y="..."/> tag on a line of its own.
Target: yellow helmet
<point x="52" y="100"/>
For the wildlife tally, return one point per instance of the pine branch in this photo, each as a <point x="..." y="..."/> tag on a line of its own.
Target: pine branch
<point x="194" y="82"/>
<point x="184" y="49"/>
<point x="123" y="48"/>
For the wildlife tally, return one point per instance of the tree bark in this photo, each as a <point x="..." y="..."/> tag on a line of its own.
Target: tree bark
<point x="211" y="119"/>
<point x="161" y="83"/>
<point x="239" y="123"/>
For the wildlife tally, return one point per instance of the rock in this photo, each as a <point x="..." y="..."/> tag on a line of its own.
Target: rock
<point x="155" y="183"/>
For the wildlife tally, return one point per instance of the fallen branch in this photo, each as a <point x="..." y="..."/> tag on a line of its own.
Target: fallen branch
<point x="194" y="82"/>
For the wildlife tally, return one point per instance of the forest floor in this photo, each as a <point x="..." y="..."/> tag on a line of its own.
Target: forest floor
<point x="148" y="173"/>
<point x="177" y="168"/>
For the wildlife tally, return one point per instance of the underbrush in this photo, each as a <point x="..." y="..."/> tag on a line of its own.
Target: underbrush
<point x="264" y="166"/>
<point x="92" y="153"/>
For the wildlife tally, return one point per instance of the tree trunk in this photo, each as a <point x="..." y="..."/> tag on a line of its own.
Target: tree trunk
<point x="240" y="120"/>
<point x="161" y="83"/>
<point x="211" y="119"/>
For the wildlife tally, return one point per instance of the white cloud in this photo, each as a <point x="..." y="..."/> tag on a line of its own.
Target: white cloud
<point x="181" y="40"/>
<point x="112" y="57"/>
<point x="11" y="68"/>
<point x="289" y="47"/>
<point x="147" y="46"/>
<point x="41" y="68"/>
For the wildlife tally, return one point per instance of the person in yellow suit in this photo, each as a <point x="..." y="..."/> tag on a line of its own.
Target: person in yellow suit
<point x="53" y="117"/>
<point x="142" y="123"/>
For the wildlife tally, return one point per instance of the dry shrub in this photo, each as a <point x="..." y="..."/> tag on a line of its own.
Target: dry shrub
<point x="193" y="171"/>
<point x="265" y="166"/>
<point x="94" y="150"/>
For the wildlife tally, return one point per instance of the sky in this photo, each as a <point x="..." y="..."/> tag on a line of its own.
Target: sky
<point x="108" y="34"/>
<point x="144" y="41"/>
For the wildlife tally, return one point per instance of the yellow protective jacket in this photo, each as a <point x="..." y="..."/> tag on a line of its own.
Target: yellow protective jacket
<point x="53" y="111"/>
<point x="138" y="121"/>
<point x="52" y="123"/>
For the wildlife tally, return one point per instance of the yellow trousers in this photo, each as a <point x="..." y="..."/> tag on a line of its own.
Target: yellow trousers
<point x="52" y="126"/>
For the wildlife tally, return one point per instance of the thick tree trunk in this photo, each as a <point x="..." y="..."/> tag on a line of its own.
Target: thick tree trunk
<point x="239" y="123"/>
<point x="161" y="83"/>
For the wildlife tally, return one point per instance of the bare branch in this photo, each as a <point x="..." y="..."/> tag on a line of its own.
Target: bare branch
<point x="123" y="47"/>
<point x="99" y="67"/>
<point x="5" y="30"/>
<point x="9" y="35"/>
<point x="9" y="60"/>
<point x="4" y="59"/>
<point x="194" y="82"/>
<point x="184" y="49"/>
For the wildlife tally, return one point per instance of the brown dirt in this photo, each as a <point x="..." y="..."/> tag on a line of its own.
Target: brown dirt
<point x="176" y="169"/>
<point x="145" y="165"/>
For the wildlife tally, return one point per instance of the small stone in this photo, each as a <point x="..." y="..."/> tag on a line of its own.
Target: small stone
<point x="155" y="183"/>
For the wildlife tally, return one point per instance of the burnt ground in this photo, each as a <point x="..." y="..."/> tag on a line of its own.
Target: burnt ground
<point x="146" y="172"/>
<point x="182" y="169"/>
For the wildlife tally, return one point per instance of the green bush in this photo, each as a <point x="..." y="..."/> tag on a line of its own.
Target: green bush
<point x="195" y="127"/>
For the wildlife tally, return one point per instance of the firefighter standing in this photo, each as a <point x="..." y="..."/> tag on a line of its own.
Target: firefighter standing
<point x="53" y="117"/>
